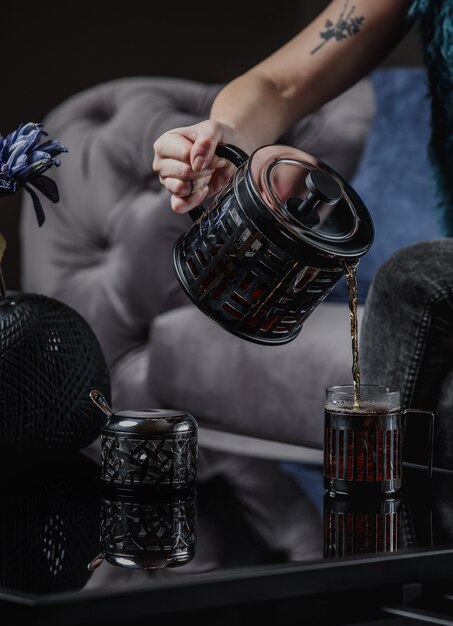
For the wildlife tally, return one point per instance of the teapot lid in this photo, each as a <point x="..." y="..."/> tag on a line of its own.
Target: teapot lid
<point x="309" y="202"/>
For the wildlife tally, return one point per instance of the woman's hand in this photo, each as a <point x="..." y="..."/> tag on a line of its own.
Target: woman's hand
<point x="187" y="165"/>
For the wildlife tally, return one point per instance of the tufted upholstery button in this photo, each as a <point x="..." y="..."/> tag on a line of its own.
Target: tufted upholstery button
<point x="101" y="115"/>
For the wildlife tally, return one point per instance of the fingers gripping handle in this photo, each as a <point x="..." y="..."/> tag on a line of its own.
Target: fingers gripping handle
<point x="231" y="153"/>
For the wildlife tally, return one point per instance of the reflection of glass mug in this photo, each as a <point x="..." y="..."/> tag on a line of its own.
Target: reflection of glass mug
<point x="363" y="441"/>
<point x="355" y="526"/>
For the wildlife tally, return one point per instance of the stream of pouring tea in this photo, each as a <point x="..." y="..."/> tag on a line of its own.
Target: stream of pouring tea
<point x="351" y="282"/>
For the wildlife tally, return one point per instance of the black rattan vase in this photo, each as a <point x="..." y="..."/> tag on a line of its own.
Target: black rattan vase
<point x="50" y="359"/>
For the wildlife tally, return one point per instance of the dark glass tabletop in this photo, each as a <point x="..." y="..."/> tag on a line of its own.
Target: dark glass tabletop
<point x="251" y="526"/>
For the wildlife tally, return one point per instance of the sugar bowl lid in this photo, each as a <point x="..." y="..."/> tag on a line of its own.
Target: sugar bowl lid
<point x="150" y="421"/>
<point x="308" y="202"/>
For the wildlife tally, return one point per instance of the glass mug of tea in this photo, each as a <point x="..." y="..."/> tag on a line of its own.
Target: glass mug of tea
<point x="364" y="434"/>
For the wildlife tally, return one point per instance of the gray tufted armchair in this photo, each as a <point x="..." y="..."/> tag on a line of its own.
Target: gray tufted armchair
<point x="106" y="250"/>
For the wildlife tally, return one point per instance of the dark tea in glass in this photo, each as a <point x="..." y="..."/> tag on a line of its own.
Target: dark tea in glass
<point x="363" y="440"/>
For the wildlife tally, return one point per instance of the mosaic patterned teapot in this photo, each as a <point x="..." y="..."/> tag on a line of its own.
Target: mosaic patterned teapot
<point x="272" y="244"/>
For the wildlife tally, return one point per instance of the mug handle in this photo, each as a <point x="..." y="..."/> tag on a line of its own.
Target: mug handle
<point x="231" y="153"/>
<point x="430" y="414"/>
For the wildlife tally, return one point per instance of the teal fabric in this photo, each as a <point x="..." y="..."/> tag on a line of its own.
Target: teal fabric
<point x="435" y="19"/>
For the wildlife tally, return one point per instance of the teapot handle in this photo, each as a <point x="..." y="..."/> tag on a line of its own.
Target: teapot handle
<point x="225" y="151"/>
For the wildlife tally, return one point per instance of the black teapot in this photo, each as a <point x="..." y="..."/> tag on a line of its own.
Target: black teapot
<point x="272" y="244"/>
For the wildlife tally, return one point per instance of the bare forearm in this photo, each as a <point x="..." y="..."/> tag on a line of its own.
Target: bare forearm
<point x="338" y="48"/>
<point x="347" y="40"/>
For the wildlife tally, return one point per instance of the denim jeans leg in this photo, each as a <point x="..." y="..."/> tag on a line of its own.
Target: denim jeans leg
<point x="406" y="336"/>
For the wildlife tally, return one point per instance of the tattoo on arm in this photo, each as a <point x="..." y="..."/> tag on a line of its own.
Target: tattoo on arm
<point x="346" y="26"/>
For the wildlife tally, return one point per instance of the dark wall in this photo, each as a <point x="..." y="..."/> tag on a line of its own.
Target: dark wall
<point x="55" y="49"/>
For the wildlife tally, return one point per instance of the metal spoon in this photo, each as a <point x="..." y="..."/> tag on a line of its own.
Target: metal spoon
<point x="101" y="402"/>
<point x="94" y="564"/>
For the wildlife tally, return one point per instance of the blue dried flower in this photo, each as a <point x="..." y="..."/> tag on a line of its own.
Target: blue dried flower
<point x="23" y="160"/>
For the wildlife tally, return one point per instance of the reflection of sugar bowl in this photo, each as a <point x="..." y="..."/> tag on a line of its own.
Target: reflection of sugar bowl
<point x="149" y="533"/>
